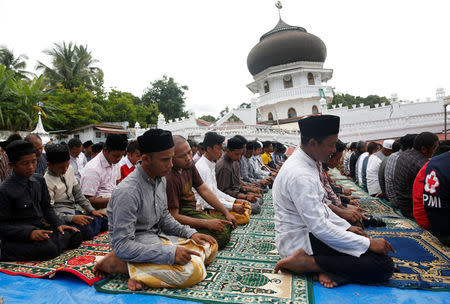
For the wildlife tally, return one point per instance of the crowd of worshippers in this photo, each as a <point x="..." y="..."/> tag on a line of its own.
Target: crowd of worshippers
<point x="165" y="200"/>
<point x="170" y="204"/>
<point x="411" y="172"/>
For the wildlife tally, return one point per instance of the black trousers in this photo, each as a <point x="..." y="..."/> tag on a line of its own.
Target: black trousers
<point x="39" y="251"/>
<point x="95" y="226"/>
<point x="369" y="268"/>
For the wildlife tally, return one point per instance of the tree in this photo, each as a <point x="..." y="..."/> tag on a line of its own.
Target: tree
<point x="75" y="108"/>
<point x="72" y="66"/>
<point x="224" y="111"/>
<point x="13" y="63"/>
<point x="351" y="101"/>
<point x="168" y="95"/>
<point x="208" y="118"/>
<point x="20" y="101"/>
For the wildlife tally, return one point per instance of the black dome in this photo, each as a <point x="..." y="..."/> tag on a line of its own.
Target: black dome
<point x="285" y="44"/>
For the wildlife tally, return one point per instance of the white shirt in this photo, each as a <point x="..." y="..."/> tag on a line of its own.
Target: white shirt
<point x="78" y="165"/>
<point x="373" y="166"/>
<point x="347" y="161"/>
<point x="207" y="171"/>
<point x="299" y="210"/>
<point x="359" y="165"/>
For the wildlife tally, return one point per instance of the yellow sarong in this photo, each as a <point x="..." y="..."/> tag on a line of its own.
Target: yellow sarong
<point x="179" y="276"/>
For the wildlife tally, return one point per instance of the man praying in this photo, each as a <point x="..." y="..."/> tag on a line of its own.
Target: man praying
<point x="309" y="236"/>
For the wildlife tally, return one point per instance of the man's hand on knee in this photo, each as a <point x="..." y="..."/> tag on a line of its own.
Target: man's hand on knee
<point x="183" y="255"/>
<point x="201" y="238"/>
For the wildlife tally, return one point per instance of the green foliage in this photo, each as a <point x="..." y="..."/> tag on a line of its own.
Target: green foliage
<point x="224" y="111"/>
<point x="351" y="101"/>
<point x="168" y="95"/>
<point x="13" y="63"/>
<point x="208" y="118"/>
<point x="245" y="105"/>
<point x="72" y="66"/>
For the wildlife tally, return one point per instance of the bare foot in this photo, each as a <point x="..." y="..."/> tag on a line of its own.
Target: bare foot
<point x="326" y="281"/>
<point x="110" y="264"/>
<point x="298" y="262"/>
<point x="134" y="285"/>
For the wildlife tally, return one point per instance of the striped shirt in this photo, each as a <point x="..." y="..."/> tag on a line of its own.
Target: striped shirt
<point x="99" y="177"/>
<point x="389" y="171"/>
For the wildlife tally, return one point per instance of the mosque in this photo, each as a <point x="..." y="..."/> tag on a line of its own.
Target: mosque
<point x="289" y="83"/>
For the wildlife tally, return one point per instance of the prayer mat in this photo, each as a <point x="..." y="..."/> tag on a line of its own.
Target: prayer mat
<point x="251" y="248"/>
<point x="266" y="213"/>
<point x="398" y="223"/>
<point x="230" y="281"/>
<point x="256" y="227"/>
<point x="376" y="207"/>
<point x="79" y="261"/>
<point x="422" y="261"/>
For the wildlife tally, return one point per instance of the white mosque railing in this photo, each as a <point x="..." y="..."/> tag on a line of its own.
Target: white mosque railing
<point x="292" y="93"/>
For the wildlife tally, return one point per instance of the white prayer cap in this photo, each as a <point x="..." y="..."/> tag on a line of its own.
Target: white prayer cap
<point x="387" y="144"/>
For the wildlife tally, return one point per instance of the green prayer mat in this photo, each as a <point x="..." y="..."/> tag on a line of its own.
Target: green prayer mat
<point x="241" y="272"/>
<point x="231" y="281"/>
<point x="376" y="207"/>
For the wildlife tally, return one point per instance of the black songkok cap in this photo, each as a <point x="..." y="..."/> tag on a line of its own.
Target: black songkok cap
<point x="116" y="142"/>
<point x="57" y="153"/>
<point x="234" y="144"/>
<point x="155" y="140"/>
<point x="319" y="126"/>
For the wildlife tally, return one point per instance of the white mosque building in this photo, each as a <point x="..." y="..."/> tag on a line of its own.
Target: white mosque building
<point x="289" y="83"/>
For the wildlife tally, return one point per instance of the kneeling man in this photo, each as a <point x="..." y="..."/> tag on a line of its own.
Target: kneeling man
<point x="148" y="243"/>
<point x="309" y="236"/>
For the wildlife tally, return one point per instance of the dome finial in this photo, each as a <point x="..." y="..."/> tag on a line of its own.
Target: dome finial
<point x="279" y="6"/>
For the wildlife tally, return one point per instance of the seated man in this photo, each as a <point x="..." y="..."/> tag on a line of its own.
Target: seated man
<point x="361" y="147"/>
<point x="145" y="237"/>
<point x="200" y="152"/>
<point x="396" y="146"/>
<point x="372" y="148"/>
<point x="29" y="227"/>
<point x="128" y="162"/>
<point x="102" y="173"/>
<point x="408" y="165"/>
<point x="206" y="167"/>
<point x="66" y="196"/>
<point x="373" y="166"/>
<point x="406" y="143"/>
<point x="36" y="140"/>
<point x="260" y="169"/>
<point x="436" y="196"/>
<point x="350" y="212"/>
<point x="87" y="151"/>
<point x="77" y="159"/>
<point x="248" y="173"/>
<point x="181" y="199"/>
<point x="228" y="179"/>
<point x="309" y="236"/>
<point x="267" y="155"/>
<point x="5" y="169"/>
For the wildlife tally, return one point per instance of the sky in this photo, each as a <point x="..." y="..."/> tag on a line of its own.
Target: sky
<point x="374" y="47"/>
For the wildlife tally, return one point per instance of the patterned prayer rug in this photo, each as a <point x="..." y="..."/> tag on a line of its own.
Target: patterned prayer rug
<point x="256" y="227"/>
<point x="78" y="261"/>
<point x="231" y="281"/>
<point x="422" y="261"/>
<point x="251" y="248"/>
<point x="376" y="207"/>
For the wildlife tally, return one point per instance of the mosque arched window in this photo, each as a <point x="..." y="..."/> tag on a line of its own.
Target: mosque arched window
<point x="292" y="113"/>
<point x="310" y="79"/>
<point x="270" y="116"/>
<point x="315" y="110"/>
<point x="287" y="81"/>
<point x="266" y="87"/>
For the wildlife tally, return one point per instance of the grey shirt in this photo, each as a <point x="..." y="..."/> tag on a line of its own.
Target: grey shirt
<point x="138" y="216"/>
<point x="248" y="173"/>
